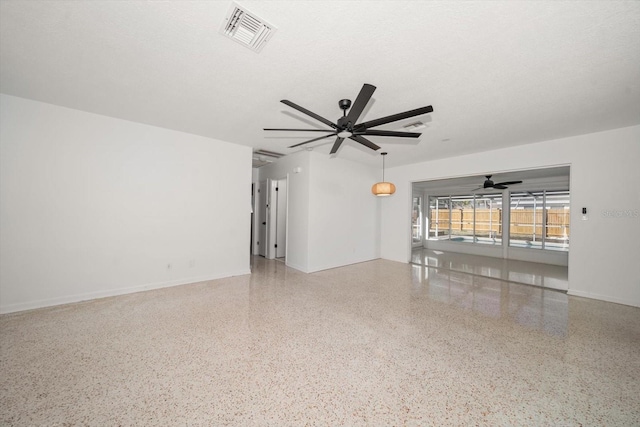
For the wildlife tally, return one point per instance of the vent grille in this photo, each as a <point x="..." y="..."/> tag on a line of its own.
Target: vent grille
<point x="264" y="157"/>
<point x="247" y="29"/>
<point x="412" y="127"/>
<point x="268" y="153"/>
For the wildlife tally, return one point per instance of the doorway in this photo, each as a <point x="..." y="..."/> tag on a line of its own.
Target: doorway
<point x="524" y="220"/>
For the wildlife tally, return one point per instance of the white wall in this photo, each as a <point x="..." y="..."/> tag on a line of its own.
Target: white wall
<point x="344" y="215"/>
<point x="93" y="206"/>
<point x="603" y="255"/>
<point x="333" y="219"/>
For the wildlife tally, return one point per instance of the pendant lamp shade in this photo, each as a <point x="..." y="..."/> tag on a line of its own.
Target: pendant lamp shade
<point x="383" y="188"/>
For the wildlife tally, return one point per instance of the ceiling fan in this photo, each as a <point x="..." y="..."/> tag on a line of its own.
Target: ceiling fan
<point x="500" y="185"/>
<point x="347" y="126"/>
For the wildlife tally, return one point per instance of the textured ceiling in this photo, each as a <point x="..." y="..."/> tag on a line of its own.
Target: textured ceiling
<point x="497" y="73"/>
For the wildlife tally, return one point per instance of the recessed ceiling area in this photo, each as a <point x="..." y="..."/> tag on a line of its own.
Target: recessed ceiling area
<point x="552" y="178"/>
<point x="498" y="74"/>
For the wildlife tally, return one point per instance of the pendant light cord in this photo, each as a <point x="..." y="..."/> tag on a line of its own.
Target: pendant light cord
<point x="383" y="156"/>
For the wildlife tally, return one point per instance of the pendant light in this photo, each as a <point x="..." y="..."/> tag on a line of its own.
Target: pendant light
<point x="383" y="189"/>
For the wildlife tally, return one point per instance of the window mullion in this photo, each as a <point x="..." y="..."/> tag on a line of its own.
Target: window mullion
<point x="544" y="217"/>
<point x="475" y="237"/>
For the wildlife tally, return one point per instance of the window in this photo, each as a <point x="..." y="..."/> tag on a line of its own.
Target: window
<point x="525" y="224"/>
<point x="416" y="220"/>
<point x="439" y="218"/>
<point x="461" y="218"/>
<point x="557" y="221"/>
<point x="469" y="218"/>
<point x="537" y="219"/>
<point x="540" y="220"/>
<point x="488" y="219"/>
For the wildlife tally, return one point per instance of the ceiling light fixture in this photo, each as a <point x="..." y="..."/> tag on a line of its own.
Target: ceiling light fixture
<point x="383" y="188"/>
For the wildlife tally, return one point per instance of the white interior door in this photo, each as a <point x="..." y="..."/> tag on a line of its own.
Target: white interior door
<point x="281" y="218"/>
<point x="262" y="218"/>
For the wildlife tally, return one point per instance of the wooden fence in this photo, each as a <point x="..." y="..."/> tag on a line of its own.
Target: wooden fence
<point x="525" y="223"/>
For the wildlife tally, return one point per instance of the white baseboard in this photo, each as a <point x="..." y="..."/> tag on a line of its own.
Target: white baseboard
<point x="297" y="267"/>
<point x="67" y="299"/>
<point x="603" y="298"/>
<point x="338" y="265"/>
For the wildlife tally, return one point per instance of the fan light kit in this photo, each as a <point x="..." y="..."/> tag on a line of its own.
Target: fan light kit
<point x="347" y="127"/>
<point x="383" y="188"/>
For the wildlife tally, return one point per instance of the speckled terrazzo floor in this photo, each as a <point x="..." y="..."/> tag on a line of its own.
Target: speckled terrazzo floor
<point x="528" y="273"/>
<point x="378" y="343"/>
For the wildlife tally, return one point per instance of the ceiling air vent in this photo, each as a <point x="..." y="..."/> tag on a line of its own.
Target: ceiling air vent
<point x="246" y="28"/>
<point x="412" y="127"/>
<point x="264" y="157"/>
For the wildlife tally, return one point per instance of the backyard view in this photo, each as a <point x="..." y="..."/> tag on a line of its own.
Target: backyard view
<point x="537" y="220"/>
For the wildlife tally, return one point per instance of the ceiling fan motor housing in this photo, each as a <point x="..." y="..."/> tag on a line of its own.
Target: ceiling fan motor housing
<point x="343" y="123"/>
<point x="344" y="104"/>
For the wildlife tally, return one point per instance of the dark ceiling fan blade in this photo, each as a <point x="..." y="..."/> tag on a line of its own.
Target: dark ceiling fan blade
<point x="476" y="189"/>
<point x="394" y="118"/>
<point x="301" y="130"/>
<point x="364" y="142"/>
<point x="389" y="133"/>
<point x="312" y="140"/>
<point x="309" y="113"/>
<point x="361" y="101"/>
<point x="509" y="183"/>
<point x="500" y="186"/>
<point x="336" y="145"/>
